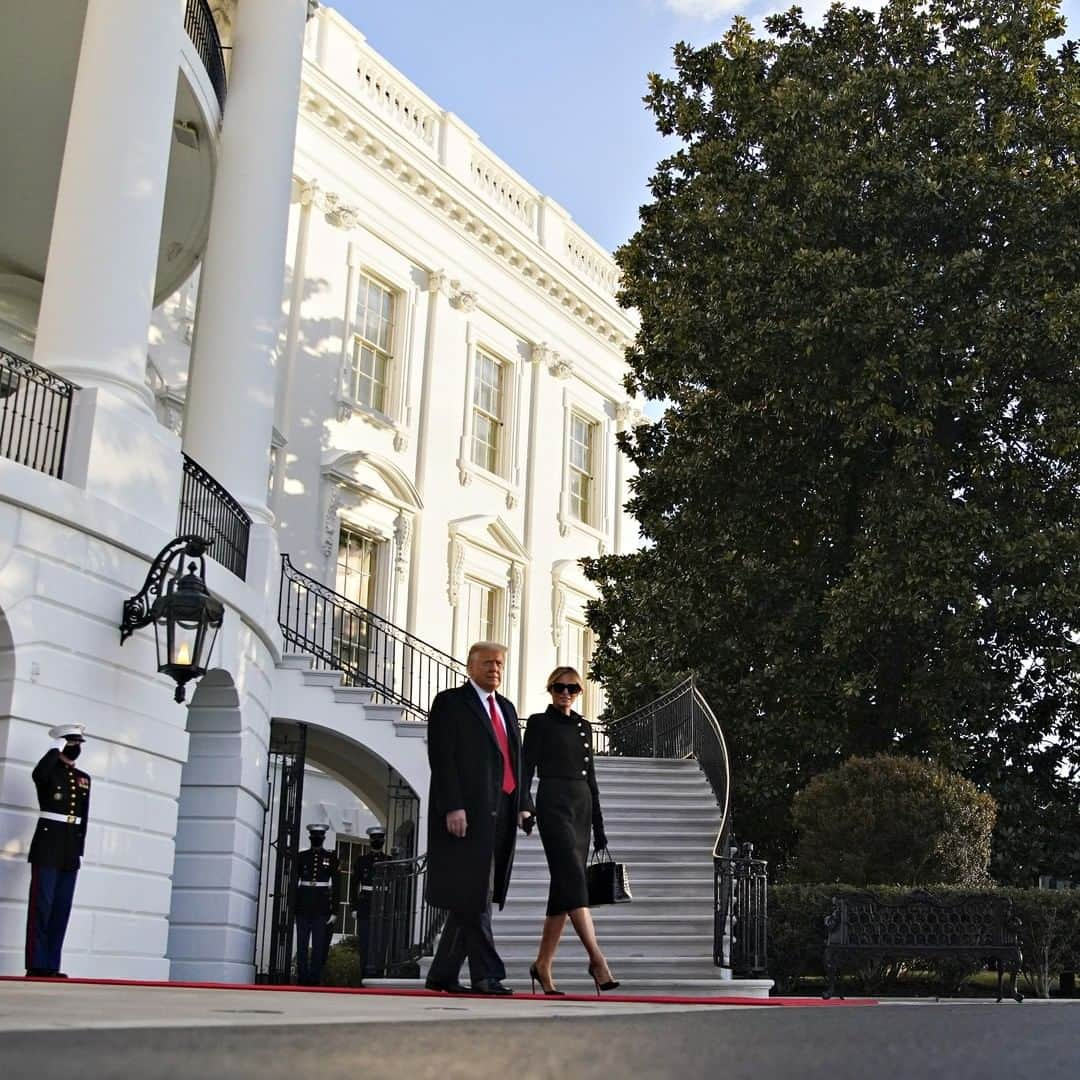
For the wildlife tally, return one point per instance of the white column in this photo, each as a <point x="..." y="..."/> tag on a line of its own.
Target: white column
<point x="102" y="262"/>
<point x="229" y="414"/>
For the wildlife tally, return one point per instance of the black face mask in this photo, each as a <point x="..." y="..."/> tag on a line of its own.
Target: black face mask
<point x="72" y="751"/>
<point x="376" y="843"/>
<point x="317" y="841"/>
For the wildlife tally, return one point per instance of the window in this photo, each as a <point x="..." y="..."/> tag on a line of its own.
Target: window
<point x="488" y="379"/>
<point x="582" y="441"/>
<point x="481" y="611"/>
<point x="357" y="562"/>
<point x="373" y="335"/>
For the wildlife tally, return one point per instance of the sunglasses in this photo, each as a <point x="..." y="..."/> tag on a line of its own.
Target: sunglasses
<point x="565" y="688"/>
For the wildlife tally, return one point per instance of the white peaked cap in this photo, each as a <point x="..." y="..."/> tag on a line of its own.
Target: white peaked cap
<point x="68" y="732"/>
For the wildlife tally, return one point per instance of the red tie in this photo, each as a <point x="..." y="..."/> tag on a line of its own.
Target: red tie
<point x="504" y="745"/>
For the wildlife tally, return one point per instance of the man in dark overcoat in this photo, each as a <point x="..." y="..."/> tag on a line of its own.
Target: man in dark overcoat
<point x="63" y="794"/>
<point x="475" y="805"/>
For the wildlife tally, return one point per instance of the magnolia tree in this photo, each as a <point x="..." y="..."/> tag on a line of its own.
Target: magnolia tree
<point x="858" y="285"/>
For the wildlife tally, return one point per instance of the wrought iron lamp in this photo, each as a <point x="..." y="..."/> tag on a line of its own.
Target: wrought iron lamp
<point x="186" y="616"/>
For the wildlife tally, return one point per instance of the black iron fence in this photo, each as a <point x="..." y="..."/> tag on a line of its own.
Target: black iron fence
<point x="199" y="24"/>
<point x="35" y="414"/>
<point x="679" y="724"/>
<point x="741" y="912"/>
<point x="403" y="925"/>
<point x="368" y="649"/>
<point x="208" y="510"/>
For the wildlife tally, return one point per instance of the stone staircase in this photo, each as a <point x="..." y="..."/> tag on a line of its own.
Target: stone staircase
<point x="661" y="819"/>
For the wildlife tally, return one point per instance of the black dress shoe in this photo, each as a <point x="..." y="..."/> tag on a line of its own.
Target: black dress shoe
<point x="491" y="986"/>
<point x="37" y="973"/>
<point x="446" y="988"/>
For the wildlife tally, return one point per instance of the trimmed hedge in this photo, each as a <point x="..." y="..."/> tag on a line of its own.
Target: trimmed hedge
<point x="892" y="818"/>
<point x="342" y="967"/>
<point x="1050" y="938"/>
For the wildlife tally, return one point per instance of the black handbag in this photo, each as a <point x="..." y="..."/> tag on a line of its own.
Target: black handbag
<point x="608" y="880"/>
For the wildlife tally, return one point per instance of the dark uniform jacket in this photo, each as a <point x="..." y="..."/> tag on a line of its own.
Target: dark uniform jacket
<point x="559" y="747"/>
<point x="467" y="774"/>
<point x="315" y="901"/>
<point x="364" y="874"/>
<point x="61" y="789"/>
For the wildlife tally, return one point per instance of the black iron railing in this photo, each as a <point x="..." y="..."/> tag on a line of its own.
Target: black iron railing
<point x="741" y="912"/>
<point x="35" y="413"/>
<point x="199" y="24"/>
<point x="678" y="725"/>
<point x="366" y="648"/>
<point x="403" y="925"/>
<point x="208" y="510"/>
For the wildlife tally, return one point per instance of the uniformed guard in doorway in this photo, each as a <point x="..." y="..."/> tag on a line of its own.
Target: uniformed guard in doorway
<point x="316" y="905"/>
<point x="363" y="891"/>
<point x="63" y="794"/>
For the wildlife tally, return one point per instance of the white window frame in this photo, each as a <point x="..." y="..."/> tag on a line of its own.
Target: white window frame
<point x="598" y="527"/>
<point x="508" y="471"/>
<point x="397" y="405"/>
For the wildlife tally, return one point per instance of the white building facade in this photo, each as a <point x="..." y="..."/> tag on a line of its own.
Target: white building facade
<point x="397" y="363"/>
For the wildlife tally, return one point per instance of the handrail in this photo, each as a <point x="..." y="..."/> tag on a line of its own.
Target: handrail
<point x="208" y="509"/>
<point x="201" y="28"/>
<point x="679" y="724"/>
<point x="404" y="925"/>
<point x="35" y="414"/>
<point x="368" y="649"/>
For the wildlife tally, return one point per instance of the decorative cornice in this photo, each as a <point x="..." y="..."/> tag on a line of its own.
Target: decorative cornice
<point x="429" y="186"/>
<point x="560" y="368"/>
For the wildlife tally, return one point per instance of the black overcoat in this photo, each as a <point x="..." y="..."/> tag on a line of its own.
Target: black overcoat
<point x="466" y="774"/>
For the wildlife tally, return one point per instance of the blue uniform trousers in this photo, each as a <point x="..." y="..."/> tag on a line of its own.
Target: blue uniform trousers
<point x="51" y="893"/>
<point x="312" y="945"/>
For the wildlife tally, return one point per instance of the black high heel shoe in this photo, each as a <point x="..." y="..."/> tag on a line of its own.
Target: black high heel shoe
<point x="611" y="984"/>
<point x="534" y="978"/>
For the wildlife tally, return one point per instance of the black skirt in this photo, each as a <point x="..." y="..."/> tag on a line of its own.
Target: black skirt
<point x="564" y="817"/>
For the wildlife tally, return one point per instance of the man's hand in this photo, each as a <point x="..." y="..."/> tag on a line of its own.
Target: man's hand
<point x="456" y="823"/>
<point x="331" y="920"/>
<point x="525" y="821"/>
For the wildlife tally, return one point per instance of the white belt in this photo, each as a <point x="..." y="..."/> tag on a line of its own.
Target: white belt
<point x="317" y="884"/>
<point x="367" y="888"/>
<point x="67" y="819"/>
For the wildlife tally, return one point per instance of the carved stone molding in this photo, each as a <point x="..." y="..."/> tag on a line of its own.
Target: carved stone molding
<point x="330" y="522"/>
<point x="511" y="500"/>
<point x="543" y="353"/>
<point x="560" y="368"/>
<point x="437" y="281"/>
<point x="457" y="571"/>
<point x="525" y="259"/>
<point x="464" y="300"/>
<point x="515" y="581"/>
<point x="558" y="611"/>
<point x="402" y="536"/>
<point x="628" y="415"/>
<point x="337" y="213"/>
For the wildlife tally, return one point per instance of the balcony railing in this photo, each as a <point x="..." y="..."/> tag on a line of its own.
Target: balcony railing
<point x="199" y="24"/>
<point x="208" y="510"/>
<point x="35" y="412"/>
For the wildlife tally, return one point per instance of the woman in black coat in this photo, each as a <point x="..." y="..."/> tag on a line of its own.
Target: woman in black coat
<point x="558" y="746"/>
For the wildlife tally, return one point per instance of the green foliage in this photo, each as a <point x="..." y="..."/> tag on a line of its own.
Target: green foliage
<point x="894" y="819"/>
<point x="858" y="286"/>
<point x="342" y="967"/>
<point x="1050" y="935"/>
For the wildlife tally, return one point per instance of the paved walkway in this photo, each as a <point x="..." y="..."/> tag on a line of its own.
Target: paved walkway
<point x="49" y="1029"/>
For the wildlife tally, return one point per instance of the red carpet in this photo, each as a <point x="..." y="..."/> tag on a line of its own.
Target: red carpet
<point x="638" y="999"/>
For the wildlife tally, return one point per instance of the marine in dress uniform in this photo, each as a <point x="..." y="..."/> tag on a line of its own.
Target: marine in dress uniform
<point x="63" y="794"/>
<point x="316" y="902"/>
<point x="363" y="891"/>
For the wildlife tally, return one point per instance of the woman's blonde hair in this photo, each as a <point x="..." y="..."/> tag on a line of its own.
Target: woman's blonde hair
<point x="560" y="673"/>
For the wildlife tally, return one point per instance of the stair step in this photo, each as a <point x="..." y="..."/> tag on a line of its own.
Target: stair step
<point x="293" y="661"/>
<point x="353" y="695"/>
<point x="322" y="678"/>
<point x="616" y="944"/>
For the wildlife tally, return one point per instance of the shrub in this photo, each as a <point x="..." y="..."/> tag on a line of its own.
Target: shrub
<point x="342" y="967"/>
<point x="893" y="819"/>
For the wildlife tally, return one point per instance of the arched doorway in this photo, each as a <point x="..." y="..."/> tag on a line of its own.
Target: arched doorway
<point x="296" y="748"/>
